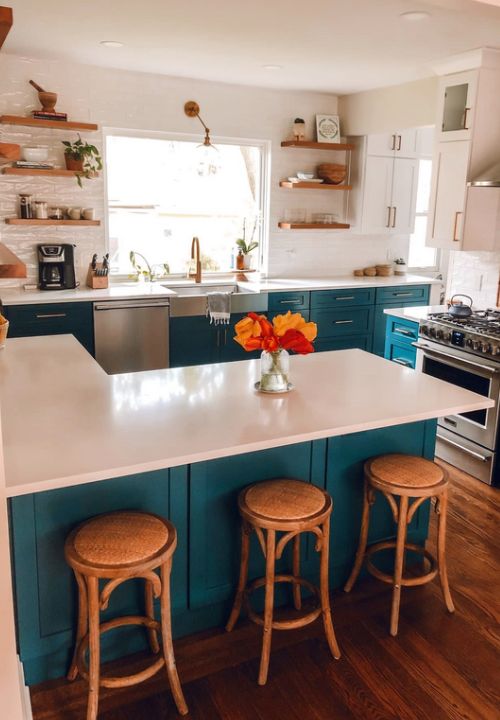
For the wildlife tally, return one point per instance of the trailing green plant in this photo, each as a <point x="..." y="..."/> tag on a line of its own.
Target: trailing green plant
<point x="88" y="154"/>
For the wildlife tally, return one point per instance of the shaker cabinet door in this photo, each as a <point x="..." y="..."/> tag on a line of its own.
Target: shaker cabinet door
<point x="404" y="192"/>
<point x="448" y="195"/>
<point x="377" y="195"/>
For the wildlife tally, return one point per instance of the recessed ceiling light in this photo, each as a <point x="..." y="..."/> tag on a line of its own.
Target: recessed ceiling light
<point x="273" y="67"/>
<point x="415" y="15"/>
<point x="111" y="43"/>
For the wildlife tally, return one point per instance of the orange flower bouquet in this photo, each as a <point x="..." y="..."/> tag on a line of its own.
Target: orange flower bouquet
<point x="288" y="332"/>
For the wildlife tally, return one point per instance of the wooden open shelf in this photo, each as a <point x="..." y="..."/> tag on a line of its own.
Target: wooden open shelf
<point x="35" y="221"/>
<point x="9" y="152"/>
<point x="313" y="226"/>
<point x="56" y="124"/>
<point x="5" y="23"/>
<point x="54" y="172"/>
<point x="312" y="186"/>
<point x="317" y="145"/>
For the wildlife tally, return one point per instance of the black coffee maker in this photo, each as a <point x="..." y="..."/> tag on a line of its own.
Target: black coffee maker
<point x="56" y="267"/>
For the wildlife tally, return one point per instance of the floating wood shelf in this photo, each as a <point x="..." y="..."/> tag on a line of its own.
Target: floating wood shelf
<point x="312" y="186"/>
<point x="54" y="172"/>
<point x="5" y="23"/>
<point x="9" y="152"/>
<point x="35" y="221"/>
<point x="57" y="124"/>
<point x="10" y="265"/>
<point x="317" y="145"/>
<point x="313" y="226"/>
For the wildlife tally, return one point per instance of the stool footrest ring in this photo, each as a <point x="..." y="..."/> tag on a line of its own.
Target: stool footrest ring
<point x="126" y="680"/>
<point x="405" y="581"/>
<point x="304" y="619"/>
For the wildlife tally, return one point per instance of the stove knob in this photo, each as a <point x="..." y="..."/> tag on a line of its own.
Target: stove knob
<point x="432" y="332"/>
<point x="476" y="345"/>
<point x="424" y="330"/>
<point x="469" y="343"/>
<point x="447" y="337"/>
<point x="486" y="348"/>
<point x="496" y="350"/>
<point x="439" y="334"/>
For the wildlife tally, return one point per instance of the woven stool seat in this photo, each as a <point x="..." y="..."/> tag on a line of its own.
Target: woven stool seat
<point x="405" y="471"/>
<point x="284" y="500"/>
<point x="115" y="548"/>
<point x="406" y="482"/>
<point x="289" y="507"/>
<point x="121" y="539"/>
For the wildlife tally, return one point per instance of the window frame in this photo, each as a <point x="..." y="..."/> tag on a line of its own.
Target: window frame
<point x="427" y="269"/>
<point x="264" y="196"/>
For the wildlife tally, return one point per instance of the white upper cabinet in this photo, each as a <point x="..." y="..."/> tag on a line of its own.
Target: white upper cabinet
<point x="400" y="143"/>
<point x="451" y="162"/>
<point x="389" y="195"/>
<point x="456" y="106"/>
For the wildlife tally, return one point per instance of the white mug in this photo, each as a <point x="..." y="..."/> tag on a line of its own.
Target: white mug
<point x="88" y="213"/>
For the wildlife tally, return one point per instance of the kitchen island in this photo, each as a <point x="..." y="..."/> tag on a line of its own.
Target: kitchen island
<point x="182" y="442"/>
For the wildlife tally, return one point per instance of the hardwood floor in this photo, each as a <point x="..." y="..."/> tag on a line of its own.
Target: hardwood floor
<point x="439" y="667"/>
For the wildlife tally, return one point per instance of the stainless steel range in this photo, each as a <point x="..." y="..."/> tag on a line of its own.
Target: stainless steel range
<point x="466" y="352"/>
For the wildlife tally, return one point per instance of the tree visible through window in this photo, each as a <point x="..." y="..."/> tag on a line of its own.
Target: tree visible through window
<point x="421" y="256"/>
<point x="159" y="199"/>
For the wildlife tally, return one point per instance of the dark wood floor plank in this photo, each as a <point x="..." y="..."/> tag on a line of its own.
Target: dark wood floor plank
<point x="440" y="667"/>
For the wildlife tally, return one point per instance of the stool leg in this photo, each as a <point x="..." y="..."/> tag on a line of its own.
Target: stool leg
<point x="363" y="539"/>
<point x="268" y="607"/>
<point x="398" y="564"/>
<point x="441" y="509"/>
<point x="82" y="624"/>
<point x="166" y="632"/>
<point x="325" y="592"/>
<point x="238" y="600"/>
<point x="297" y="599"/>
<point x="94" y="647"/>
<point x="152" y="634"/>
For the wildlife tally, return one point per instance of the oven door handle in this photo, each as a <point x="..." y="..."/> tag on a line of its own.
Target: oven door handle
<point x="430" y="351"/>
<point x="473" y="454"/>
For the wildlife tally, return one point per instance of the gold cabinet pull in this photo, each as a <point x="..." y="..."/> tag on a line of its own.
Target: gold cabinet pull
<point x="455" y="226"/>
<point x="394" y="217"/>
<point x="466" y="112"/>
<point x="389" y="210"/>
<point x="399" y="143"/>
<point x="393" y="146"/>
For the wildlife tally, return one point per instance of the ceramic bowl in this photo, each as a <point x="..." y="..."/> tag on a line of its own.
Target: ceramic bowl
<point x="35" y="154"/>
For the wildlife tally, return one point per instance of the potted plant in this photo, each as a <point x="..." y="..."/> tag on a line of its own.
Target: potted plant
<point x="81" y="157"/>
<point x="400" y="266"/>
<point x="246" y="248"/>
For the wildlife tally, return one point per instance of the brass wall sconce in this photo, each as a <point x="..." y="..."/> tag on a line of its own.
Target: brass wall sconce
<point x="210" y="162"/>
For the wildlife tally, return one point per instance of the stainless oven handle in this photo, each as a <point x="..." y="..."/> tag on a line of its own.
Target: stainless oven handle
<point x="430" y="351"/>
<point x="473" y="454"/>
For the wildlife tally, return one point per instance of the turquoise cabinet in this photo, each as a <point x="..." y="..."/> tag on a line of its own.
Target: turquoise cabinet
<point x="400" y="336"/>
<point x="73" y="318"/>
<point x="410" y="296"/>
<point x="295" y="301"/>
<point x="343" y="298"/>
<point x="195" y="341"/>
<point x="342" y="322"/>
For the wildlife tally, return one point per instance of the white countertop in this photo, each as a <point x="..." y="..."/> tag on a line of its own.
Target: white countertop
<point x="416" y="313"/>
<point x="124" y="291"/>
<point x="65" y="422"/>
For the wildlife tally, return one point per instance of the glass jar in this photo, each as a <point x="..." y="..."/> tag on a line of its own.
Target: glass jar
<point x="274" y="371"/>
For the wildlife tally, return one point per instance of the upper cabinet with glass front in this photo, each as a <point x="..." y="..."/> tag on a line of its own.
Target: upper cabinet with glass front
<point x="457" y="101"/>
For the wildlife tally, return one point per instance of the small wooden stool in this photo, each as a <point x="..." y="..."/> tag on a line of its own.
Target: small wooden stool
<point x="117" y="547"/>
<point x="406" y="477"/>
<point x="291" y="507"/>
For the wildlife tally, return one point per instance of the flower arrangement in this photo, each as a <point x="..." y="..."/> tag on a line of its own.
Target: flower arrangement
<point x="286" y="332"/>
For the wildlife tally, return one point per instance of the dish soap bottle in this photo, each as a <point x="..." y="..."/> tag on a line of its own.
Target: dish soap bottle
<point x="240" y="261"/>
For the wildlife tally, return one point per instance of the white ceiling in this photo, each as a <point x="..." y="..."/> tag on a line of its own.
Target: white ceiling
<point x="339" y="46"/>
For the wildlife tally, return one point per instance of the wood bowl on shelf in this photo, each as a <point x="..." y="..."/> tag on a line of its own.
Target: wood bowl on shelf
<point x="332" y="173"/>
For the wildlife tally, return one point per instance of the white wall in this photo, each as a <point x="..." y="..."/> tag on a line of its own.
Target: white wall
<point x="121" y="99"/>
<point x="390" y="108"/>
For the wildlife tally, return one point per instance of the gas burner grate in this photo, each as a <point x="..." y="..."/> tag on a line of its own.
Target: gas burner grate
<point x="485" y="322"/>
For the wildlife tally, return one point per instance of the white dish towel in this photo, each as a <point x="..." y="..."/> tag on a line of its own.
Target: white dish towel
<point x="219" y="307"/>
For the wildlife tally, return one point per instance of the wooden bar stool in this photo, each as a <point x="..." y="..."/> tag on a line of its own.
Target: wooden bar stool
<point x="291" y="507"/>
<point x="409" y="478"/>
<point x="117" y="547"/>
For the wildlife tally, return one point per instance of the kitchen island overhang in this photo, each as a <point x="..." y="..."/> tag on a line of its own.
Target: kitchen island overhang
<point x="182" y="443"/>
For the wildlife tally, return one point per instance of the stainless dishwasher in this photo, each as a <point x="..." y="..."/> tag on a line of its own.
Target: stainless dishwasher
<point x="131" y="335"/>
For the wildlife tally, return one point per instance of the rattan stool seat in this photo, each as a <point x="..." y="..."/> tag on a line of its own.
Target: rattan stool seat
<point x="120" y="539"/>
<point x="283" y="499"/>
<point x="405" y="471"/>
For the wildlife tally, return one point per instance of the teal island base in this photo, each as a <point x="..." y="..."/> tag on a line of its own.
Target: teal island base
<point x="200" y="500"/>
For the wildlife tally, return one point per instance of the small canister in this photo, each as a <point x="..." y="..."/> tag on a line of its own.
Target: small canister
<point x="26" y="206"/>
<point x="41" y="210"/>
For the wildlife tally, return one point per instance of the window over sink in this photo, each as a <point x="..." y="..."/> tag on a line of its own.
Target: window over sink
<point x="161" y="194"/>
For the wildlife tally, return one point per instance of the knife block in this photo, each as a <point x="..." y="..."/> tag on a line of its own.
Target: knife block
<point x="97" y="282"/>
